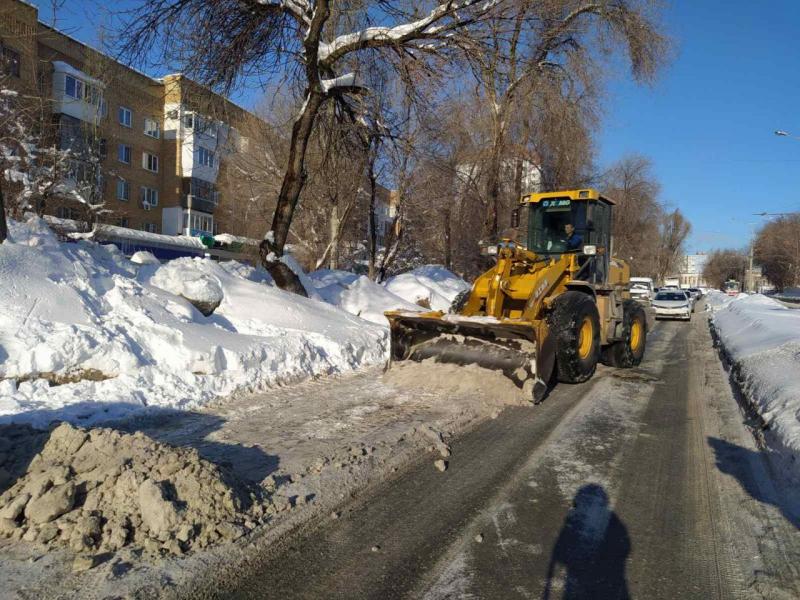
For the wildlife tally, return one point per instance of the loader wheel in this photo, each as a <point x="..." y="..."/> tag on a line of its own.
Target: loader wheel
<point x="629" y="351"/>
<point x="459" y="302"/>
<point x="575" y="323"/>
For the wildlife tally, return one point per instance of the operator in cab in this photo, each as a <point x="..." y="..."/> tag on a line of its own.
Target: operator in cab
<point x="574" y="240"/>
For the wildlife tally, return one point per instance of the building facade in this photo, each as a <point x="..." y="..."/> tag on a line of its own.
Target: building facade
<point x="154" y="151"/>
<point x="691" y="275"/>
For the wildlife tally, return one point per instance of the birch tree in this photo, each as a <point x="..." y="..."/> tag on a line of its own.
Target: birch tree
<point x="319" y="46"/>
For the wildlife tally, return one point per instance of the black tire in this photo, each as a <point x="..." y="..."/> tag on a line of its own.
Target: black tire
<point x="623" y="354"/>
<point x="459" y="302"/>
<point x="570" y="312"/>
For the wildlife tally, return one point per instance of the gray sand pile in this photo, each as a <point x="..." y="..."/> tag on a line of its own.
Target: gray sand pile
<point x="101" y="490"/>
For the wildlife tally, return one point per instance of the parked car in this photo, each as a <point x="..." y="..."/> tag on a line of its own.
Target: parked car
<point x="696" y="293"/>
<point x="673" y="304"/>
<point x="642" y="289"/>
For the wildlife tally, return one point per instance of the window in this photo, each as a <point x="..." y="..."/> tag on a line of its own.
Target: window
<point x="102" y="148"/>
<point x="73" y="87"/>
<point x="150" y="227"/>
<point x="202" y="223"/>
<point x="152" y="128"/>
<point x="10" y="62"/>
<point x="122" y="222"/>
<point x="150" y="162"/>
<point x="149" y="197"/>
<point x="123" y="190"/>
<point x="205" y="157"/>
<point x="124" y="153"/>
<point x="125" y="116"/>
<point x="198" y="223"/>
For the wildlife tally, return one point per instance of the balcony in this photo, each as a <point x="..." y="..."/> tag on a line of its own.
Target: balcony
<point x="192" y="202"/>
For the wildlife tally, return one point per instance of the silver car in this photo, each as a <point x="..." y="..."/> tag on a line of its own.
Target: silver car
<point x="673" y="304"/>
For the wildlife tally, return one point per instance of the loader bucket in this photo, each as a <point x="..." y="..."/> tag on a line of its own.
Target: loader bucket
<point x="508" y="347"/>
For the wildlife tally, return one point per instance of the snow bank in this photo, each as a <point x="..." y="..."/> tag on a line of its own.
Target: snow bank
<point x="762" y="338"/>
<point x="431" y="285"/>
<point x="87" y="335"/>
<point x="716" y="299"/>
<point x="358" y="295"/>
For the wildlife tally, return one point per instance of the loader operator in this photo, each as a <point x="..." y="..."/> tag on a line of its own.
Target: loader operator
<point x="574" y="240"/>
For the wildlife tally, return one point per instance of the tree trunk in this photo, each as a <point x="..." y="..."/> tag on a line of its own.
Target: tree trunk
<point x="493" y="182"/>
<point x="333" y="225"/>
<point x="293" y="180"/>
<point x="448" y="250"/>
<point x="373" y="234"/>
<point x="3" y="223"/>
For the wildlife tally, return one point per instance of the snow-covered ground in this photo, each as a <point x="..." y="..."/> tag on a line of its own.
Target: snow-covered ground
<point x="762" y="338"/>
<point x="87" y="335"/>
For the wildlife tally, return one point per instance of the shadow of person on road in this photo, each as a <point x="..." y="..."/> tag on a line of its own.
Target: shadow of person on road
<point x="591" y="551"/>
<point x="748" y="468"/>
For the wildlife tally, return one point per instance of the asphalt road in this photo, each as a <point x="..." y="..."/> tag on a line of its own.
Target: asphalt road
<point x="627" y="486"/>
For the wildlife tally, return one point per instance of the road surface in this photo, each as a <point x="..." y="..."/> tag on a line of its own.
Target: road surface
<point x="642" y="483"/>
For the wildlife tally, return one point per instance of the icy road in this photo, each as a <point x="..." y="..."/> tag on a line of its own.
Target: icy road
<point x="644" y="483"/>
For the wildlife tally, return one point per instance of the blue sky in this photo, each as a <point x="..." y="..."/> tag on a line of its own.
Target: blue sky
<point x="707" y="123"/>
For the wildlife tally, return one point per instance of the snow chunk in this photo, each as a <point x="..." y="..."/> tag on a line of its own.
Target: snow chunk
<point x="431" y="285"/>
<point x="185" y="277"/>
<point x="143" y="257"/>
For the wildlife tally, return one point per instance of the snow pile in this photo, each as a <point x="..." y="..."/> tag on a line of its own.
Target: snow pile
<point x="762" y="339"/>
<point x="87" y="335"/>
<point x="358" y="295"/>
<point x="430" y="286"/>
<point x="716" y="299"/>
<point x="103" y="490"/>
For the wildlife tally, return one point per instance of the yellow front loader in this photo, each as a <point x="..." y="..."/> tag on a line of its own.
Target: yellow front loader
<point x="555" y="303"/>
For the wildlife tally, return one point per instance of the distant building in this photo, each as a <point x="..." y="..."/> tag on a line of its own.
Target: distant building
<point x="692" y="272"/>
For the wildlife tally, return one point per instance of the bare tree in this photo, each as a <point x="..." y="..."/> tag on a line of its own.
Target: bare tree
<point x="318" y="45"/>
<point x="547" y="55"/>
<point x="674" y="231"/>
<point x="723" y="265"/>
<point x="777" y="250"/>
<point x="638" y="213"/>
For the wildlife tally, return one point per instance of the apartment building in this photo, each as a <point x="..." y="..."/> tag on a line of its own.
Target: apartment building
<point x="157" y="149"/>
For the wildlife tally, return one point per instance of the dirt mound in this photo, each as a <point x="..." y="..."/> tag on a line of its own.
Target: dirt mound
<point x="100" y="490"/>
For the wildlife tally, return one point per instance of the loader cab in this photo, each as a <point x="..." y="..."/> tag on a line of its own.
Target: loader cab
<point x="546" y="215"/>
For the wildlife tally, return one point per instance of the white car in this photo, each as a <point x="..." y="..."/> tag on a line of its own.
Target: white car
<point x="642" y="289"/>
<point x="673" y="304"/>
